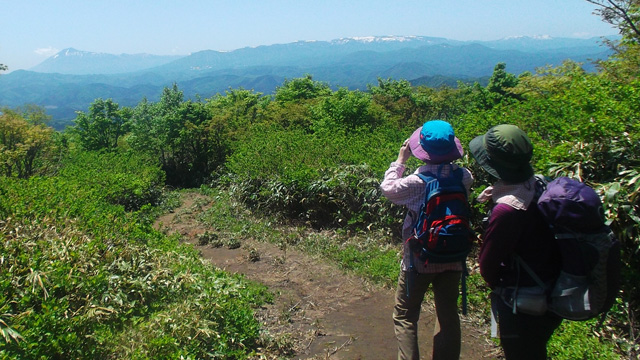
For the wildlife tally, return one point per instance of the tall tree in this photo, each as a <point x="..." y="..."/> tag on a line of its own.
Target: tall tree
<point x="22" y="145"/>
<point x="303" y="88"/>
<point x="344" y="109"/>
<point x="501" y="83"/>
<point x="623" y="14"/>
<point x="103" y="125"/>
<point x="624" y="64"/>
<point x="396" y="99"/>
<point x="178" y="133"/>
<point x="34" y="114"/>
<point x="501" y="80"/>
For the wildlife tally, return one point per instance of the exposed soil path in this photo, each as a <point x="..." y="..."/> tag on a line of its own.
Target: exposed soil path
<point x="322" y="311"/>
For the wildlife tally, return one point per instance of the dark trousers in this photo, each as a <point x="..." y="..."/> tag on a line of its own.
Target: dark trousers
<point x="522" y="336"/>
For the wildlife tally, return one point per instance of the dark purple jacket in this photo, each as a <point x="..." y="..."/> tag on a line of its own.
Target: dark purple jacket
<point x="521" y="232"/>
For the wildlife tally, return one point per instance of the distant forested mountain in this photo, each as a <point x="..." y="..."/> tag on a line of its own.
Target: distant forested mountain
<point x="70" y="80"/>
<point x="76" y="62"/>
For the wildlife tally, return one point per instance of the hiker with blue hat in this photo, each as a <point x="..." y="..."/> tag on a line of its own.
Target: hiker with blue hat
<point x="436" y="145"/>
<point x="516" y="236"/>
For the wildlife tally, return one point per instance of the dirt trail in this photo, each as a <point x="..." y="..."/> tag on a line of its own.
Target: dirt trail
<point x="323" y="312"/>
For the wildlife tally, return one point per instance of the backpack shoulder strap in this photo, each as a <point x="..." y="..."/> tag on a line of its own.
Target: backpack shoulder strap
<point x="435" y="183"/>
<point x="426" y="176"/>
<point x="530" y="271"/>
<point x="457" y="173"/>
<point x="540" y="184"/>
<point x="428" y="179"/>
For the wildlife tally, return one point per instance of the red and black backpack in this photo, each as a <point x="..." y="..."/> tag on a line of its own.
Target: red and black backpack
<point x="442" y="233"/>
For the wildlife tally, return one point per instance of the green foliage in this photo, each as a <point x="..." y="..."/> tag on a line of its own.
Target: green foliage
<point x="623" y="14"/>
<point x="147" y="134"/>
<point x="478" y="293"/>
<point x="289" y="115"/>
<point x="192" y="139"/>
<point x="624" y="65"/>
<point x="169" y="130"/>
<point x="34" y="114"/>
<point x="396" y="102"/>
<point x="90" y="299"/>
<point x="304" y="88"/>
<point x="26" y="148"/>
<point x="319" y="177"/>
<point x="82" y="278"/>
<point x="93" y="189"/>
<point x="393" y="89"/>
<point x="500" y="83"/>
<point x="365" y="255"/>
<point x="231" y="118"/>
<point x="290" y="155"/>
<point x="121" y="178"/>
<point x="569" y="342"/>
<point x="344" y="109"/>
<point x="102" y="126"/>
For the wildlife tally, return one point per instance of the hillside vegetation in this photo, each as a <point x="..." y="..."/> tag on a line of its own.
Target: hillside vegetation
<point x="83" y="274"/>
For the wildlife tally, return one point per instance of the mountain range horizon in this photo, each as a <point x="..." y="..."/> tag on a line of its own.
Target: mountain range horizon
<point x="72" y="79"/>
<point x="337" y="40"/>
<point x="544" y="42"/>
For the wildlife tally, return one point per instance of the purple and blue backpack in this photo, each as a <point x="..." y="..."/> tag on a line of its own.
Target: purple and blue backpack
<point x="589" y="280"/>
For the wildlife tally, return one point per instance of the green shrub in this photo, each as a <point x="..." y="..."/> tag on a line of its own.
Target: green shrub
<point x="80" y="277"/>
<point x="570" y="342"/>
<point x="320" y="177"/>
<point x="121" y="178"/>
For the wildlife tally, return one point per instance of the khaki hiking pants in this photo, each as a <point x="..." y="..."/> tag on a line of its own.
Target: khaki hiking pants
<point x="406" y="313"/>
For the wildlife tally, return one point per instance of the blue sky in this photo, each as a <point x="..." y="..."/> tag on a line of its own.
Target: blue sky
<point x="32" y="30"/>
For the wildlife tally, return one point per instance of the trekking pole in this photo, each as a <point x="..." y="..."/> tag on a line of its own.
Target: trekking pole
<point x="463" y="284"/>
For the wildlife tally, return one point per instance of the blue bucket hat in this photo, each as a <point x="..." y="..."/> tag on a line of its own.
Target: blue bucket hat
<point x="435" y="142"/>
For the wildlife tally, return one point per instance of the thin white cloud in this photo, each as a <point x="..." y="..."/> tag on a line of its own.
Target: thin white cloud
<point x="46" y="52"/>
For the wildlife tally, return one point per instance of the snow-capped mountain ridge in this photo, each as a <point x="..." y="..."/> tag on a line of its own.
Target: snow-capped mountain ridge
<point x="74" y="61"/>
<point x="72" y="78"/>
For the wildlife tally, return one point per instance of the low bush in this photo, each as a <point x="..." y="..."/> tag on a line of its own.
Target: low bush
<point x="81" y="277"/>
<point x="120" y="177"/>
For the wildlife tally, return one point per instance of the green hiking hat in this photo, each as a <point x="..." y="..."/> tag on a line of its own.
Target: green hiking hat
<point x="504" y="152"/>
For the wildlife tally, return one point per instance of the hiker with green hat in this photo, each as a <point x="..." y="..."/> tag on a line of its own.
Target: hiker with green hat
<point x="436" y="145"/>
<point x="515" y="234"/>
